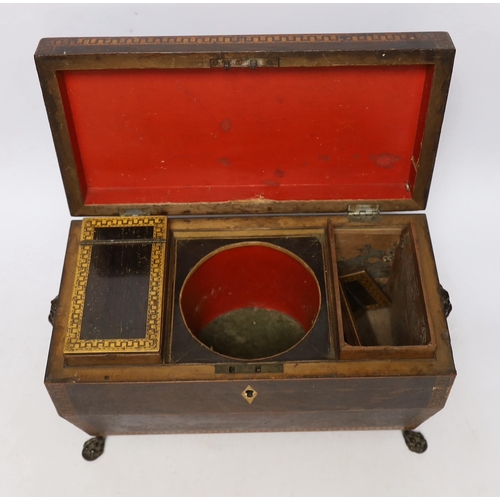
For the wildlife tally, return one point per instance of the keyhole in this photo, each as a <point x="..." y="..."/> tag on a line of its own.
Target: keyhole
<point x="249" y="394"/>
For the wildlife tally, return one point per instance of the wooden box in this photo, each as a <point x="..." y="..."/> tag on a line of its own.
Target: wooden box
<point x="168" y="320"/>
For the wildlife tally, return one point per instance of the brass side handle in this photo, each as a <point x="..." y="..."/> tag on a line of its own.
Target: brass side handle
<point x="53" y="309"/>
<point x="445" y="300"/>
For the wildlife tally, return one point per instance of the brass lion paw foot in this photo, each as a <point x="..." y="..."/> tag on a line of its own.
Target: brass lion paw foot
<point x="93" y="448"/>
<point x="415" y="441"/>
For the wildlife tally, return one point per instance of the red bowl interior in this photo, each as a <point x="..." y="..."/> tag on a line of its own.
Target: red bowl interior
<point x="252" y="275"/>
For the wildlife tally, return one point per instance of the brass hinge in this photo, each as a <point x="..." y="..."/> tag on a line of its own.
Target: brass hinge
<point x="363" y="213"/>
<point x="134" y="212"/>
<point x="252" y="62"/>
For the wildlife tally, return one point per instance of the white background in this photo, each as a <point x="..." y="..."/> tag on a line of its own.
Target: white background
<point x="40" y="452"/>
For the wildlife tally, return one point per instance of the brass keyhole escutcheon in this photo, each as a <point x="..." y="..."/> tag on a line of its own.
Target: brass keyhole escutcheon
<point x="249" y="394"/>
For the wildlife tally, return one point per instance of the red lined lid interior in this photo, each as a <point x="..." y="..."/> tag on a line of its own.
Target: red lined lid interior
<point x="211" y="135"/>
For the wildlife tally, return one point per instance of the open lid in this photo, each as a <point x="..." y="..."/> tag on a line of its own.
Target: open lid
<point x="246" y="124"/>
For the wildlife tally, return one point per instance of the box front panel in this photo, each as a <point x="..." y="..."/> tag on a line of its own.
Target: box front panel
<point x="278" y="405"/>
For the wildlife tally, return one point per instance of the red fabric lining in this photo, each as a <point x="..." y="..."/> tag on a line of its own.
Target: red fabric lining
<point x="210" y="135"/>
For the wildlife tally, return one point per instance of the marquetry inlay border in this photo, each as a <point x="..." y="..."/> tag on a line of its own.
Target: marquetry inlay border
<point x="244" y="39"/>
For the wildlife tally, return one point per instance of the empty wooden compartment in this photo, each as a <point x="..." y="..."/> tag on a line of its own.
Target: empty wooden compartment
<point x="382" y="306"/>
